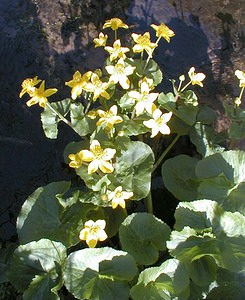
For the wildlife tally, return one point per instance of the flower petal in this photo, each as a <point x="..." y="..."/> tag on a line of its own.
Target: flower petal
<point x="106" y="167"/>
<point x="93" y="166"/>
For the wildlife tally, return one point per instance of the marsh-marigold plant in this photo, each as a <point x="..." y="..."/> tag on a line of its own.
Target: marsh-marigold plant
<point x="128" y="129"/>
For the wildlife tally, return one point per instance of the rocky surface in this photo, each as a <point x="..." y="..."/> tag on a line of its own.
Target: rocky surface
<point x="52" y="39"/>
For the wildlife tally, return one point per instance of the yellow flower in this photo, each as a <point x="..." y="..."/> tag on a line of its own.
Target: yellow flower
<point x="93" y="232"/>
<point x="241" y="76"/>
<point x="92" y="114"/>
<point x="101" y="40"/>
<point x="28" y="85"/>
<point x="158" y="123"/>
<point x="163" y="31"/>
<point x="144" y="98"/>
<point x="39" y="95"/>
<point x="76" y="160"/>
<point x="143" y="42"/>
<point x="99" y="158"/>
<point x="196" y="78"/>
<point x="119" y="73"/>
<point x="115" y="23"/>
<point x="117" y="51"/>
<point x="109" y="118"/>
<point x="78" y="83"/>
<point x="118" y="197"/>
<point x="97" y="87"/>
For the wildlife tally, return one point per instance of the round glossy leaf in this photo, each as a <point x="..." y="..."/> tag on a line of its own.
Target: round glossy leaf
<point x="100" y="274"/>
<point x="179" y="177"/>
<point x="133" y="169"/>
<point x="143" y="236"/>
<point x="36" y="268"/>
<point x="169" y="281"/>
<point x="45" y="215"/>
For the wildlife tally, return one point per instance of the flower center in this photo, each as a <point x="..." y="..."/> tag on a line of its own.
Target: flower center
<point x="98" y="152"/>
<point x="108" y="115"/>
<point x="118" y="194"/>
<point x="94" y="229"/>
<point x="159" y="121"/>
<point x="119" y="68"/>
<point x="143" y="41"/>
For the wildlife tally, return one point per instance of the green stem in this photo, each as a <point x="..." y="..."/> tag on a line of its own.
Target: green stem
<point x="165" y="152"/>
<point x="88" y="105"/>
<point x="185" y="86"/>
<point x="240" y="97"/>
<point x="59" y="114"/>
<point x="115" y="35"/>
<point x="149" y="57"/>
<point x="133" y="114"/>
<point x="148" y="203"/>
<point x="179" y="87"/>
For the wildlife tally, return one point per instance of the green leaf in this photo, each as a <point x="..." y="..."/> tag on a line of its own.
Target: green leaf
<point x="126" y="102"/>
<point x="114" y="219"/>
<point x="165" y="282"/>
<point x="178" y="126"/>
<point x="99" y="274"/>
<point x="204" y="229"/>
<point x="36" y="268"/>
<point x="227" y="291"/>
<point x="237" y="130"/>
<point x="133" y="127"/>
<point x="81" y="123"/>
<point x="179" y="177"/>
<point x="206" y="115"/>
<point x="203" y="137"/>
<point x="50" y="120"/>
<point x="151" y="71"/>
<point x="5" y="259"/>
<point x="143" y="236"/>
<point x="202" y="271"/>
<point x="185" y="108"/>
<point x="222" y="178"/>
<point x="133" y="169"/>
<point x="41" y="288"/>
<point x="43" y="215"/>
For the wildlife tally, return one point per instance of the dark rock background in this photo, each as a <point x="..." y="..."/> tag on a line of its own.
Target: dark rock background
<point x="52" y="39"/>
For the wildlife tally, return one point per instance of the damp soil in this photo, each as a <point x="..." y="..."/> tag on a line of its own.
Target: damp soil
<point x="52" y="39"/>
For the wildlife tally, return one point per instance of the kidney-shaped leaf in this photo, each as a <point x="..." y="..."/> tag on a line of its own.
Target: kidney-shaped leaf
<point x="133" y="168"/>
<point x="37" y="267"/>
<point x="213" y="232"/>
<point x="100" y="274"/>
<point x="43" y="215"/>
<point x="222" y="178"/>
<point x="143" y="236"/>
<point x="165" y="282"/>
<point x="179" y="177"/>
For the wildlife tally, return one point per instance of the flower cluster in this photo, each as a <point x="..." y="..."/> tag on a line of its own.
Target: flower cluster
<point x="38" y="95"/>
<point x="126" y="104"/>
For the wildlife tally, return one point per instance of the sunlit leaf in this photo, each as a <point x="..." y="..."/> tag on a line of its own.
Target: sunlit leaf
<point x="168" y="281"/>
<point x="50" y="120"/>
<point x="43" y="215"/>
<point x="205" y="229"/>
<point x="222" y="178"/>
<point x="133" y="169"/>
<point x="99" y="274"/>
<point x="143" y="236"/>
<point x="36" y="269"/>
